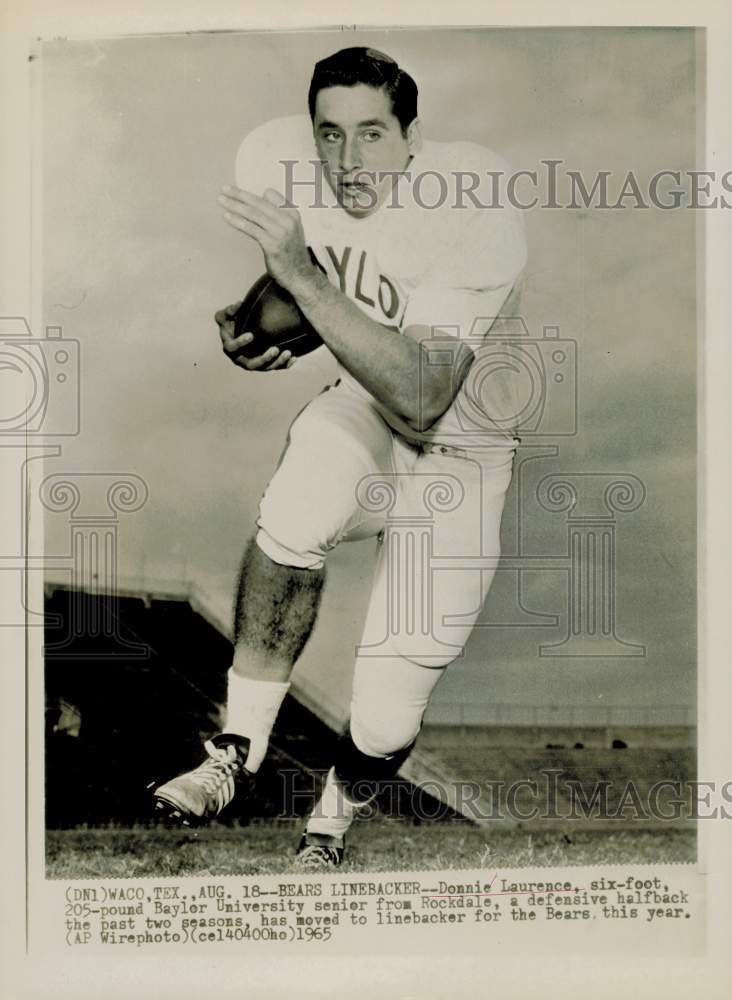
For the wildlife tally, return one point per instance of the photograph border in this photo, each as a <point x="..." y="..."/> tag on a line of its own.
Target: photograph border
<point x="21" y="292"/>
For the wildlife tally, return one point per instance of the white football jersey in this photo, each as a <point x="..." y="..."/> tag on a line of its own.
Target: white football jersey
<point x="428" y="257"/>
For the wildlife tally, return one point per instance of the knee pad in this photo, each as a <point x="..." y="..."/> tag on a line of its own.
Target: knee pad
<point x="427" y="658"/>
<point x="390" y="695"/>
<point x="385" y="734"/>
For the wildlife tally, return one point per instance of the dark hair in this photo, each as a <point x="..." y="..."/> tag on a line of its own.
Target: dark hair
<point x="361" y="65"/>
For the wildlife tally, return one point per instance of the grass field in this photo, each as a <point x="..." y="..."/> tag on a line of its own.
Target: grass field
<point x="373" y="845"/>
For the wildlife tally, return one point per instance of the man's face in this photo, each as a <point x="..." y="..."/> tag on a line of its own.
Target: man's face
<point x="360" y="140"/>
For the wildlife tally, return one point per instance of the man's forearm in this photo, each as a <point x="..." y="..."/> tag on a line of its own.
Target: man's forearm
<point x="386" y="363"/>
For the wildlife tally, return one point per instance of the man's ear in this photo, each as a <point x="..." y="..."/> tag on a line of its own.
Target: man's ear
<point x="414" y="136"/>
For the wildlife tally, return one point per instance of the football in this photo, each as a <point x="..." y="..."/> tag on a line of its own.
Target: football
<point x="272" y="315"/>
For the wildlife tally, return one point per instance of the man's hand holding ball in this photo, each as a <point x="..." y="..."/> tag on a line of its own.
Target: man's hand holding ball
<point x="267" y="330"/>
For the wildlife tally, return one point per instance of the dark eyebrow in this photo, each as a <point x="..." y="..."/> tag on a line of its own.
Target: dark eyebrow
<point x="366" y="124"/>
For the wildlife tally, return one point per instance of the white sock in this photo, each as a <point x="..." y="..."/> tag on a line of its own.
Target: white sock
<point x="252" y="708"/>
<point x="334" y="813"/>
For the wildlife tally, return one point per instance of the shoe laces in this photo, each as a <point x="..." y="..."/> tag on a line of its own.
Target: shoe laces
<point x="318" y="855"/>
<point x="217" y="774"/>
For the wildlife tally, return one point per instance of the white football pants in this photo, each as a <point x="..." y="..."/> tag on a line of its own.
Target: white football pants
<point x="346" y="475"/>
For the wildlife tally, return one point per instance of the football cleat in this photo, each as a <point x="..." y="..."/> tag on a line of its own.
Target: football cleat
<point x="319" y="851"/>
<point x="200" y="795"/>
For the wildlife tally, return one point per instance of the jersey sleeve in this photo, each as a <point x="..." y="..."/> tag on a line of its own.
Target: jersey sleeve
<point x="278" y="154"/>
<point x="479" y="258"/>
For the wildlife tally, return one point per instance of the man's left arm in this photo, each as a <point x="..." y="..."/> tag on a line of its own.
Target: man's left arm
<point x="392" y="365"/>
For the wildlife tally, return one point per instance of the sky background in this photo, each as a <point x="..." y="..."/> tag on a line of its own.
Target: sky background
<point x="138" y="136"/>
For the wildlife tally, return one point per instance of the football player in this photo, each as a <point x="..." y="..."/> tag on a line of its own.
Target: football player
<point x="401" y="246"/>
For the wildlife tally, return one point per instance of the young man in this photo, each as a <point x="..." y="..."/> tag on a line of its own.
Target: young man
<point x="402" y="247"/>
